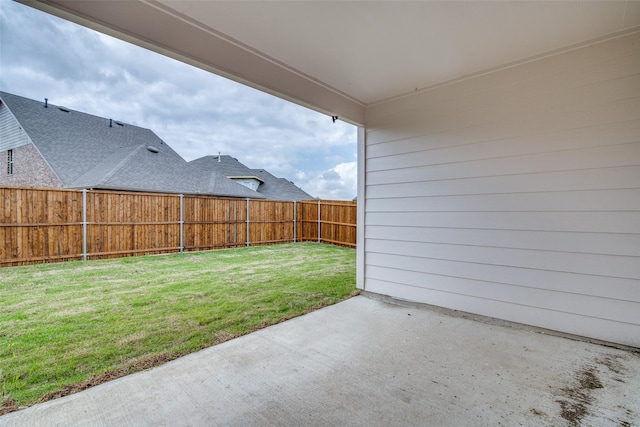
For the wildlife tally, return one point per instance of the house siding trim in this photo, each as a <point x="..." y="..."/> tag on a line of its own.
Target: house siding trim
<point x="361" y="240"/>
<point x="11" y="133"/>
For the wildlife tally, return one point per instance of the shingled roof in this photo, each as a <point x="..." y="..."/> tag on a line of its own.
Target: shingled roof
<point x="271" y="187"/>
<point x="279" y="188"/>
<point x="87" y="151"/>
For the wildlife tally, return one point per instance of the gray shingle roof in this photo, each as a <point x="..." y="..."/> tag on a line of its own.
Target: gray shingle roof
<point x="271" y="186"/>
<point x="279" y="188"/>
<point x="73" y="142"/>
<point x="86" y="152"/>
<point x="228" y="166"/>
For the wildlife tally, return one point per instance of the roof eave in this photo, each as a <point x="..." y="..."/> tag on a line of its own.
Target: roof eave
<point x="145" y="24"/>
<point x="246" y="177"/>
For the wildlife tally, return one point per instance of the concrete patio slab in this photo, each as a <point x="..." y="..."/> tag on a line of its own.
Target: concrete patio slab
<point x="366" y="362"/>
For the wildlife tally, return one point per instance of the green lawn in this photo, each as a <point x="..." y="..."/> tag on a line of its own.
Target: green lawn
<point x="67" y="326"/>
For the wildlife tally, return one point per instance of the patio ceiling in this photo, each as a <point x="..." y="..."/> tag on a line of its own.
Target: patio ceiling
<point x="339" y="57"/>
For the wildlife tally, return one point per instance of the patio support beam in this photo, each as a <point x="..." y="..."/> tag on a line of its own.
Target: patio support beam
<point x="360" y="215"/>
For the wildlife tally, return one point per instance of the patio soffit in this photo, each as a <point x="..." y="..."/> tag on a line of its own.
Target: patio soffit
<point x="340" y="57"/>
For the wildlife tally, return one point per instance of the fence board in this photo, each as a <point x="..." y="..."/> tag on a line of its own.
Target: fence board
<point x="45" y="225"/>
<point x="337" y="221"/>
<point x="39" y="225"/>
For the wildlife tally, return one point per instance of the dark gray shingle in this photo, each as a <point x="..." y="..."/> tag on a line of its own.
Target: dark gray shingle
<point x="271" y="186"/>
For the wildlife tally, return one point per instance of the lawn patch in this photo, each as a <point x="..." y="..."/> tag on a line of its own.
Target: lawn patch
<point x="65" y="327"/>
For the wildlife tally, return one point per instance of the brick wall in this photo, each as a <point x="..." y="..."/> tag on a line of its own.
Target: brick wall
<point x="29" y="169"/>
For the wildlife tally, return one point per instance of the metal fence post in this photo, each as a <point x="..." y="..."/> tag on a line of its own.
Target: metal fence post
<point x="84" y="224"/>
<point x="247" y="243"/>
<point x="235" y="224"/>
<point x="294" y="221"/>
<point x="319" y="221"/>
<point x="181" y="223"/>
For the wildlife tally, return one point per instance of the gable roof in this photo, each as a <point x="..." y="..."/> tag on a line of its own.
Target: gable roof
<point x="271" y="186"/>
<point x="74" y="143"/>
<point x="87" y="151"/>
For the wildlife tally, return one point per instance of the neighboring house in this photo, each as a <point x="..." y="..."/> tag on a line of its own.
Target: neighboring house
<point x="498" y="148"/>
<point x="44" y="145"/>
<point x="256" y="179"/>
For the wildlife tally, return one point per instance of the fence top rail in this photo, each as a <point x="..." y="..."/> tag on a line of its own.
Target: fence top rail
<point x="205" y="196"/>
<point x="176" y="195"/>
<point x="19" y="187"/>
<point x="285" y="203"/>
<point x="330" y="202"/>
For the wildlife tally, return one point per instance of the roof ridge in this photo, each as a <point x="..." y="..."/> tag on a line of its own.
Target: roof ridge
<point x="73" y="110"/>
<point x="120" y="164"/>
<point x="110" y="173"/>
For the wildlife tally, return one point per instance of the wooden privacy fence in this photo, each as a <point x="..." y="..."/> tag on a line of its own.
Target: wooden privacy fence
<point x="44" y="225"/>
<point x="330" y="221"/>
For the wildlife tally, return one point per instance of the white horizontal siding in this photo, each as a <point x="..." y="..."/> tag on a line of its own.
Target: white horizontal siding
<point x="574" y="283"/>
<point x="515" y="194"/>
<point x="486" y="136"/>
<point x="603" y="222"/>
<point x="586" y="200"/>
<point x="626" y="244"/>
<point x="470" y="163"/>
<point x="568" y="262"/>
<point x="574" y="303"/>
<point x="11" y="133"/>
<point x="572" y="180"/>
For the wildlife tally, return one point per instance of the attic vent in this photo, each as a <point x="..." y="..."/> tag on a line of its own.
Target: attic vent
<point x="65" y="109"/>
<point x="118" y="123"/>
<point x="153" y="149"/>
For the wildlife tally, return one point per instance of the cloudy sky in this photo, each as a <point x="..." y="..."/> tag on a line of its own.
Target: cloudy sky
<point x="195" y="112"/>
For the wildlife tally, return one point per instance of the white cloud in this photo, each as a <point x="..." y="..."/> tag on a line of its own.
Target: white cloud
<point x="330" y="175"/>
<point x="339" y="182"/>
